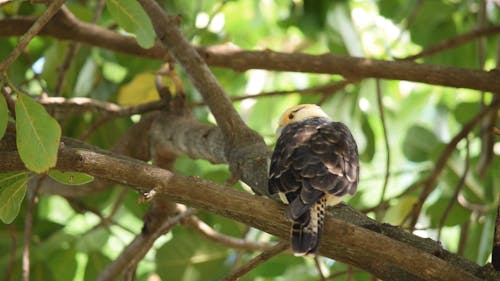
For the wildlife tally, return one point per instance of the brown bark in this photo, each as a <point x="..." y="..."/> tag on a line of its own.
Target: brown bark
<point x="390" y="254"/>
<point x="65" y="26"/>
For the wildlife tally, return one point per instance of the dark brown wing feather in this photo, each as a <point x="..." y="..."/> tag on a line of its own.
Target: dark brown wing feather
<point x="311" y="158"/>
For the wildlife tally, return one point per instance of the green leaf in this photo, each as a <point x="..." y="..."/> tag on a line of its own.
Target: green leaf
<point x="12" y="191"/>
<point x="419" y="144"/>
<point x="86" y="78"/>
<point x="63" y="264"/>
<point x="38" y="135"/>
<point x="457" y="215"/>
<point x="369" y="151"/>
<point x="189" y="257"/>
<point x="95" y="265"/>
<point x="398" y="211"/>
<point x="130" y="15"/>
<point x="3" y="116"/>
<point x="70" y="178"/>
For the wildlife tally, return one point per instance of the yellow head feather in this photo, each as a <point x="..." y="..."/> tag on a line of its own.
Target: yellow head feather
<point x="300" y="112"/>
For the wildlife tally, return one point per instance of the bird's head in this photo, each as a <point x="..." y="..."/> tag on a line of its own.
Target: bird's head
<point x="299" y="113"/>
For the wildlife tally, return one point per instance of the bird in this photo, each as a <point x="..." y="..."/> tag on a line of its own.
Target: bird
<point x="314" y="164"/>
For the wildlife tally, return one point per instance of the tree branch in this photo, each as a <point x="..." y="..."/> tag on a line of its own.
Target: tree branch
<point x="455" y="41"/>
<point x="30" y="33"/>
<point x="394" y="255"/>
<point x="244" y="148"/>
<point x="231" y="242"/>
<point x="139" y="247"/>
<point x="264" y="256"/>
<point x="430" y="182"/>
<point x="65" y="26"/>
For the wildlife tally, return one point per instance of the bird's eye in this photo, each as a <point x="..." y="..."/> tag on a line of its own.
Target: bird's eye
<point x="290" y="116"/>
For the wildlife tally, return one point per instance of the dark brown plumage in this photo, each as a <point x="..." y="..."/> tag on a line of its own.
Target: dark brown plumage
<point x="314" y="163"/>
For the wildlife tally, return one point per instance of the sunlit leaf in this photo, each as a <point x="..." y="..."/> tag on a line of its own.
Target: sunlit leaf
<point x="114" y="72"/>
<point x="3" y="116"/>
<point x="400" y="209"/>
<point x="70" y="178"/>
<point x="38" y="135"/>
<point x="130" y="15"/>
<point x="86" y="78"/>
<point x="12" y="192"/>
<point x="140" y="90"/>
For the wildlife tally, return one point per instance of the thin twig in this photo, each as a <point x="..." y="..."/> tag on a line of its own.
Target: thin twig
<point x="253" y="263"/>
<point x="28" y="227"/>
<point x="458" y="189"/>
<point x="386" y="141"/>
<point x="326" y="90"/>
<point x="230" y="242"/>
<point x="12" y="254"/>
<point x="106" y="108"/>
<point x="464" y="237"/>
<point x="53" y="7"/>
<point x="317" y="263"/>
<point x="105" y="221"/>
<point x="455" y="42"/>
<point x="417" y="5"/>
<point x="11" y="105"/>
<point x="335" y="88"/>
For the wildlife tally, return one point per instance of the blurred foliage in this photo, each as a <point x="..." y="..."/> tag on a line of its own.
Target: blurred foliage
<point x="69" y="241"/>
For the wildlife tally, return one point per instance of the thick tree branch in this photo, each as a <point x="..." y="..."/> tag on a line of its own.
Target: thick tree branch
<point x="353" y="67"/>
<point x="391" y="255"/>
<point x="170" y="36"/>
<point x="244" y="148"/>
<point x="65" y="26"/>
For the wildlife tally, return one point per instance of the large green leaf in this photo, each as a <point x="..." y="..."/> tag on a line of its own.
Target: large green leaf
<point x="130" y="15"/>
<point x="3" y="116"/>
<point x="38" y="135"/>
<point x="12" y="191"/>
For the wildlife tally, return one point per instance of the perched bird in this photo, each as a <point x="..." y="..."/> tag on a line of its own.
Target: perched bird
<point x="314" y="163"/>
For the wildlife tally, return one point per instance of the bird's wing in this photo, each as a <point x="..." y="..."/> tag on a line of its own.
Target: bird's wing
<point x="312" y="158"/>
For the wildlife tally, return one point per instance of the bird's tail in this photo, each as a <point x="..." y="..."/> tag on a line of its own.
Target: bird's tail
<point x="307" y="229"/>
